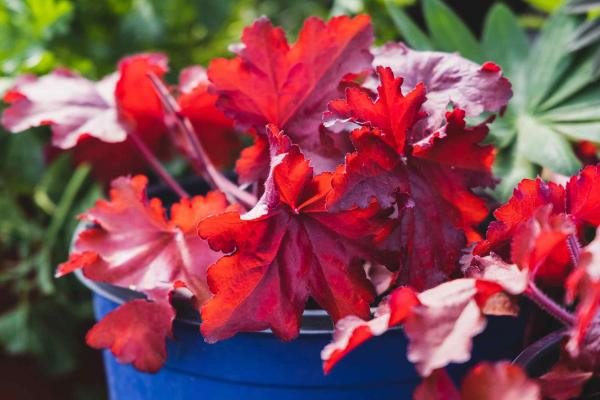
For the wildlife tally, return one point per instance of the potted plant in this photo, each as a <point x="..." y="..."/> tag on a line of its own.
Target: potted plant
<point x="364" y="177"/>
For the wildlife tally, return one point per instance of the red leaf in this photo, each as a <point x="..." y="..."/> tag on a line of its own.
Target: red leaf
<point x="500" y="381"/>
<point x="429" y="180"/>
<point x="136" y="98"/>
<point x="289" y="247"/>
<point x="584" y="283"/>
<point x="527" y="199"/>
<point x="134" y="245"/>
<point x="583" y="196"/>
<point x="579" y="203"/>
<point x="135" y="333"/>
<point x="449" y="79"/>
<point x="392" y="112"/>
<point x="253" y="163"/>
<point x="272" y="82"/>
<point x="214" y="129"/>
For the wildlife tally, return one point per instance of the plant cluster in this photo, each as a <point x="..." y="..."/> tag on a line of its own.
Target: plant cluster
<point x="358" y="152"/>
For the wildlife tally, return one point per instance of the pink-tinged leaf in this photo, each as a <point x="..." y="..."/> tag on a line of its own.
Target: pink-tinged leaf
<point x="437" y="386"/>
<point x="137" y="247"/>
<point x="214" y="129"/>
<point x="351" y="331"/>
<point x="449" y="79"/>
<point x="381" y="277"/>
<point x="72" y="105"/>
<point x="135" y="333"/>
<point x="442" y="327"/>
<point x="271" y="81"/>
<point x="510" y="277"/>
<point x="439" y="323"/>
<point x="563" y="382"/>
<point x="584" y="284"/>
<point x="289" y="247"/>
<point x="94" y="118"/>
<point x="132" y="244"/>
<point x="500" y="381"/>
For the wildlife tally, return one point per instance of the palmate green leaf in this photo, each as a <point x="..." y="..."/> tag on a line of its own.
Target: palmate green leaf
<point x="548" y="58"/>
<point x="503" y="39"/>
<point x="410" y="31"/>
<point x="582" y="73"/>
<point x="589" y="131"/>
<point x="585" y="106"/>
<point x="448" y="32"/>
<point x="587" y="34"/>
<point x="542" y="145"/>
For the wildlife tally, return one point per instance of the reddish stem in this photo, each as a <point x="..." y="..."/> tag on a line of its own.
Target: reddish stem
<point x="212" y="175"/>
<point x="156" y="165"/>
<point x="574" y="249"/>
<point x="549" y="305"/>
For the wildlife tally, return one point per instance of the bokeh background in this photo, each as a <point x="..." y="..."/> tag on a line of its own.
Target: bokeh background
<point x="42" y="320"/>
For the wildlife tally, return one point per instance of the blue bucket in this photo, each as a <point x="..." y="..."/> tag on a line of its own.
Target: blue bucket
<point x="254" y="366"/>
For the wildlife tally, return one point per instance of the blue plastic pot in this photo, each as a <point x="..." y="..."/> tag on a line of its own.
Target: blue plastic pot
<point x="253" y="366"/>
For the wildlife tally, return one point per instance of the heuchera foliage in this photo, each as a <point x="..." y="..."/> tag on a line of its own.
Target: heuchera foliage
<point x="363" y="160"/>
<point x="94" y="118"/>
<point x="535" y="240"/>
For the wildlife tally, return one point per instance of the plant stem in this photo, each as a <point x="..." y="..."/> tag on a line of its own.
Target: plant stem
<point x="156" y="165"/>
<point x="574" y="249"/>
<point x="212" y="175"/>
<point x="548" y="305"/>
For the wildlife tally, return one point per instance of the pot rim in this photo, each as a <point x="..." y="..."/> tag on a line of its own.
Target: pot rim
<point x="538" y="349"/>
<point x="313" y="321"/>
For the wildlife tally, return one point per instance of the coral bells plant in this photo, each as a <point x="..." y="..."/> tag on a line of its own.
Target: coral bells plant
<point x="366" y="180"/>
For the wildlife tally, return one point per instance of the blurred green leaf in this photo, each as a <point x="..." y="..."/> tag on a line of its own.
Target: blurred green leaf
<point x="544" y="146"/>
<point x="448" y="31"/>
<point x="548" y="57"/>
<point x="411" y="33"/>
<point x="503" y="39"/>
